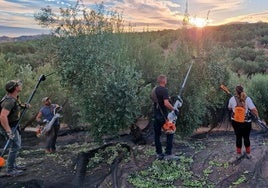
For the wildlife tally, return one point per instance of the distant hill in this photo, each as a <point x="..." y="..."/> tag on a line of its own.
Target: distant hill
<point x="4" y="39"/>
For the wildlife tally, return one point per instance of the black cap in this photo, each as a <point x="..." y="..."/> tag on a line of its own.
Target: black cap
<point x="12" y="84"/>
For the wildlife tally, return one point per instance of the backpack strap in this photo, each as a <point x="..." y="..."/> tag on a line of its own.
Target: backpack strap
<point x="155" y="100"/>
<point x="7" y="97"/>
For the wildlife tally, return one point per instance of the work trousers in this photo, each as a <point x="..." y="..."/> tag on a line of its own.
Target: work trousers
<point x="15" y="145"/>
<point x="242" y="131"/>
<point x="159" y="121"/>
<point x="51" y="138"/>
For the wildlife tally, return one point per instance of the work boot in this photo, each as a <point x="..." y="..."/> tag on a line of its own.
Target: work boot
<point x="248" y="149"/>
<point x="20" y="167"/>
<point x="171" y="157"/>
<point x="160" y="156"/>
<point x="14" y="173"/>
<point x="238" y="150"/>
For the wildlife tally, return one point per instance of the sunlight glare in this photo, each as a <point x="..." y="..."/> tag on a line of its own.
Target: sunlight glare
<point x="198" y="22"/>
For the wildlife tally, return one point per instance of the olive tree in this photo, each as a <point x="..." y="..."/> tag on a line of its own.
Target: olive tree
<point x="96" y="68"/>
<point x="258" y="90"/>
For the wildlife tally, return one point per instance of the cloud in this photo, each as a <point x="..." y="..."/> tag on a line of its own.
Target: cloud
<point x="148" y="13"/>
<point x="250" y="18"/>
<point x="20" y="13"/>
<point x="16" y="14"/>
<point x="152" y="14"/>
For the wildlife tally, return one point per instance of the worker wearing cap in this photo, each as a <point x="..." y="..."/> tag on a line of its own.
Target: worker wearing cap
<point x="46" y="114"/>
<point x="9" y="118"/>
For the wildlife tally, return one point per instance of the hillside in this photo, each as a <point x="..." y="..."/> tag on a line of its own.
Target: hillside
<point x="4" y="39"/>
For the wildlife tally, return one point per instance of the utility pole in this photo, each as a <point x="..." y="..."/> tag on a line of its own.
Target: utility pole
<point x="207" y="17"/>
<point x="185" y="20"/>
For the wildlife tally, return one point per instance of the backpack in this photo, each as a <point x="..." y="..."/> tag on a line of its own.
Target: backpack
<point x="239" y="112"/>
<point x="153" y="95"/>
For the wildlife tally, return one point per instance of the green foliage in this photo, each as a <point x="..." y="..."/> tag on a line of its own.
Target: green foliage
<point x="80" y="20"/>
<point x="103" y="82"/>
<point x="18" y="48"/>
<point x="166" y="173"/>
<point x="247" y="61"/>
<point x="264" y="40"/>
<point x="108" y="155"/>
<point x="240" y="180"/>
<point x="45" y="17"/>
<point x="246" y="53"/>
<point x="148" y="57"/>
<point x="34" y="53"/>
<point x="168" y="38"/>
<point x="160" y="174"/>
<point x="202" y="100"/>
<point x="229" y="34"/>
<point x="258" y="91"/>
<point x="8" y="72"/>
<point x="115" y="104"/>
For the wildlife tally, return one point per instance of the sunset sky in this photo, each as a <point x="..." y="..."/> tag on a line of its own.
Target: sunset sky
<point x="16" y="16"/>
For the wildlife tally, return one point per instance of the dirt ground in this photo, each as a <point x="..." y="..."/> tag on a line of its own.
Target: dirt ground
<point x="65" y="168"/>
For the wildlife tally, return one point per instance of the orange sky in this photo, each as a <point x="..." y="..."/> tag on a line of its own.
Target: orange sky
<point x="16" y="16"/>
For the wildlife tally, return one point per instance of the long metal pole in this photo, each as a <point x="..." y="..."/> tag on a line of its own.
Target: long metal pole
<point x="185" y="79"/>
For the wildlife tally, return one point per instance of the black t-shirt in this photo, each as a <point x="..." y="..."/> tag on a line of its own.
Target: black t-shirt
<point x="162" y="94"/>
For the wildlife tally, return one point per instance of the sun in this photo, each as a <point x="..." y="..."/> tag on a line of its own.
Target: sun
<point x="198" y="22"/>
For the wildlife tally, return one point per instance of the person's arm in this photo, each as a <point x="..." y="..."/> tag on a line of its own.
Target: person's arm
<point x="168" y="105"/>
<point x="39" y="117"/>
<point x="255" y="112"/>
<point x="252" y="107"/>
<point x="4" y="120"/>
<point x="230" y="104"/>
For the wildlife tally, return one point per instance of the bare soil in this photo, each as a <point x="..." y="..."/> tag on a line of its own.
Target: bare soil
<point x="75" y="152"/>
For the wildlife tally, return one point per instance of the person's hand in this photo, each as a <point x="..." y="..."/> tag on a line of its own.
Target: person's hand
<point x="27" y="105"/>
<point x="58" y="108"/>
<point x="10" y="135"/>
<point x="40" y="122"/>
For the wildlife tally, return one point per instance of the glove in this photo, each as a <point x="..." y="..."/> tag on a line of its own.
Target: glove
<point x="10" y="135"/>
<point x="45" y="121"/>
<point x="27" y="105"/>
<point x="176" y="112"/>
<point x="42" y="122"/>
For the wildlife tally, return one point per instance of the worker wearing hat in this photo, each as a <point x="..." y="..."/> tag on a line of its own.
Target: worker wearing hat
<point x="46" y="114"/>
<point x="9" y="118"/>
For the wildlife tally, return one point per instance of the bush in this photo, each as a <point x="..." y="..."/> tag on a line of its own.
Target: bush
<point x="258" y="90"/>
